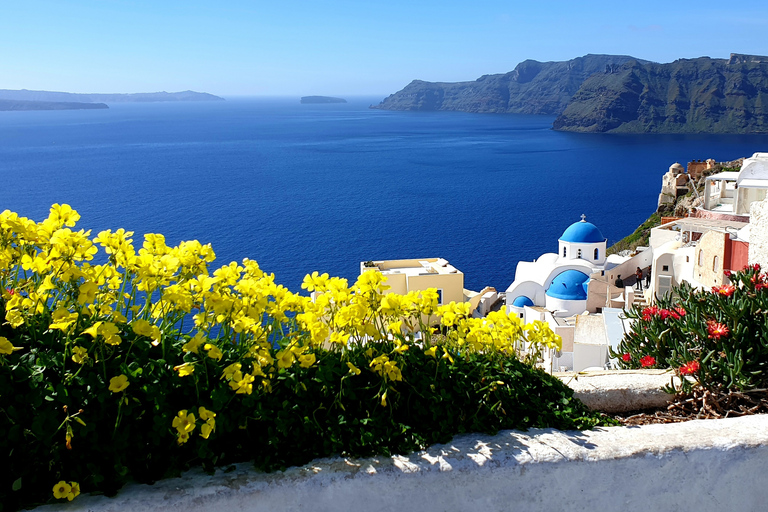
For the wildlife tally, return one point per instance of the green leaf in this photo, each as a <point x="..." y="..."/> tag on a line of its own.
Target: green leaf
<point x="16" y="484"/>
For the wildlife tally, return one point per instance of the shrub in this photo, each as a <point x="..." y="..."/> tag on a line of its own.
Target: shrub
<point x="718" y="337"/>
<point x="145" y="365"/>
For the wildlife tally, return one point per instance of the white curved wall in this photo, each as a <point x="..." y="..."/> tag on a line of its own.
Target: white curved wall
<point x="704" y="465"/>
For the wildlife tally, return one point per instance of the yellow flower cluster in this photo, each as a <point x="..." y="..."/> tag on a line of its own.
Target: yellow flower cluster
<point x="247" y="329"/>
<point x="185" y="423"/>
<point x="66" y="490"/>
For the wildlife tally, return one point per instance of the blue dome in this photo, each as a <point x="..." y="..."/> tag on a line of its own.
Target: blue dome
<point x="521" y="301"/>
<point x="569" y="285"/>
<point x="582" y="232"/>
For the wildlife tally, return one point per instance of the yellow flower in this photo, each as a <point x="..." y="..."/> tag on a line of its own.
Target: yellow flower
<point x="79" y="354"/>
<point x="14" y="317"/>
<point x="185" y="369"/>
<point x="61" y="490"/>
<point x="207" y="427"/>
<point x="213" y="351"/>
<point x="285" y="359"/>
<point x="87" y="292"/>
<point x="353" y="369"/>
<point x="205" y="414"/>
<point x="193" y="344"/>
<point x="431" y="351"/>
<point x="93" y="330"/>
<point x="111" y="333"/>
<point x="119" y="383"/>
<point x="229" y="371"/>
<point x="141" y="327"/>
<point x="62" y="319"/>
<point x="6" y="347"/>
<point x="242" y="384"/>
<point x="183" y="422"/>
<point x="75" y="490"/>
<point x="307" y="360"/>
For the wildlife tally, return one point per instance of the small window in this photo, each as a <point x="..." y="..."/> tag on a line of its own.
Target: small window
<point x="701" y="258"/>
<point x="665" y="268"/>
<point x="521" y="315"/>
<point x="439" y="296"/>
<point x="597" y="253"/>
<point x="687" y="259"/>
<point x="715" y="262"/>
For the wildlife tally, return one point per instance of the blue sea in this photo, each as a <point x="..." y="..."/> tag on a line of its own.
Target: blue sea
<point x="301" y="188"/>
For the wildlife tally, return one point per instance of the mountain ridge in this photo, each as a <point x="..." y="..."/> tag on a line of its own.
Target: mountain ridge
<point x="142" y="97"/>
<point x="612" y="93"/>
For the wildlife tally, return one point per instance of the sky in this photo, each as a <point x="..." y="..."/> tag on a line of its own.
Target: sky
<point x="341" y="47"/>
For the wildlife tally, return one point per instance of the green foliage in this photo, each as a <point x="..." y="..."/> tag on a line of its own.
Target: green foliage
<point x="61" y="421"/>
<point x="640" y="236"/>
<point x="718" y="337"/>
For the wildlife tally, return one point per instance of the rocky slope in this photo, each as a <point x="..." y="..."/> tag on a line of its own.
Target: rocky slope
<point x="685" y="96"/>
<point x="531" y="88"/>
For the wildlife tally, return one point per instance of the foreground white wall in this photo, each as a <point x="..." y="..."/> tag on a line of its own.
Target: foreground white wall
<point x="705" y="465"/>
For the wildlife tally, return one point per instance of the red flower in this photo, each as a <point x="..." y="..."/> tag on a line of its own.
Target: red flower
<point x="689" y="368"/>
<point x="664" y="314"/>
<point x="647" y="361"/>
<point x="724" y="290"/>
<point x="649" y="312"/>
<point x="626" y="357"/>
<point x="680" y="311"/>
<point x="756" y="267"/>
<point x="727" y="273"/>
<point x="717" y="330"/>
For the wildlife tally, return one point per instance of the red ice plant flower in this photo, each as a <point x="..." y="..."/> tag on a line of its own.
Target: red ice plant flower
<point x="647" y="361"/>
<point x="626" y="357"/>
<point x="680" y="311"/>
<point x="717" y="330"/>
<point x="724" y="290"/>
<point x="664" y="314"/>
<point x="689" y="368"/>
<point x="650" y="312"/>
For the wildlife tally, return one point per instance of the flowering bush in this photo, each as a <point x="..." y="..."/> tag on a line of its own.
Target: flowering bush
<point x="144" y="364"/>
<point x="717" y="336"/>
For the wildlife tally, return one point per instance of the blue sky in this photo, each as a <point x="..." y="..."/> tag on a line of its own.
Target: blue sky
<point x="362" y="47"/>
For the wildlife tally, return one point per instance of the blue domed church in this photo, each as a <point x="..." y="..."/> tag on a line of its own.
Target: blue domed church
<point x="559" y="282"/>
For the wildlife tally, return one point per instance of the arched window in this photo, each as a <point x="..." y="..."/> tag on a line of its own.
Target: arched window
<point x="597" y="253"/>
<point x="564" y="252"/>
<point x="714" y="263"/>
<point x="701" y="257"/>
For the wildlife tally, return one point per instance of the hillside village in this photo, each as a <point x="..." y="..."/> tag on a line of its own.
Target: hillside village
<point x="713" y="220"/>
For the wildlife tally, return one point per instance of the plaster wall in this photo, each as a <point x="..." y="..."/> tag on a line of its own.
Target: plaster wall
<point x="566" y="308"/>
<point x="710" y="255"/>
<point x="703" y="465"/>
<point x="758" y="234"/>
<point x="451" y="284"/>
<point x="660" y="236"/>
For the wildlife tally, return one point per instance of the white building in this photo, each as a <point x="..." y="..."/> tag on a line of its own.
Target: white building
<point x="558" y="282"/>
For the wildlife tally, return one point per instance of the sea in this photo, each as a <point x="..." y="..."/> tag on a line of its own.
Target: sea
<point x="303" y="188"/>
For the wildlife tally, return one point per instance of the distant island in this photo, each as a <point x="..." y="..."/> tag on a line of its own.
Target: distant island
<point x="613" y="93"/>
<point x="6" y="105"/>
<point x="69" y="97"/>
<point x="322" y="99"/>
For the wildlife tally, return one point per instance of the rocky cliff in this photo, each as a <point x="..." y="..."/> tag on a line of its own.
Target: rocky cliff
<point x="686" y="96"/>
<point x="531" y="88"/>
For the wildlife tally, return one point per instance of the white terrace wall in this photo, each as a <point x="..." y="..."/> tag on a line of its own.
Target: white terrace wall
<point x="758" y="234"/>
<point x="704" y="465"/>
